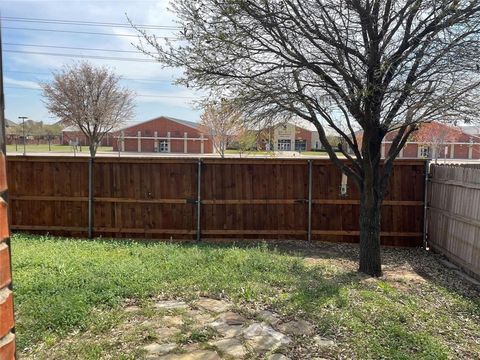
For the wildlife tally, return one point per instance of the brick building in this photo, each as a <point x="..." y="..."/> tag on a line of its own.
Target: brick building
<point x="461" y="144"/>
<point x="165" y="135"/>
<point x="71" y="135"/>
<point x="289" y="137"/>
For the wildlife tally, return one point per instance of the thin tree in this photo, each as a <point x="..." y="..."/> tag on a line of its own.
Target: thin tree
<point x="436" y="136"/>
<point x="344" y="65"/>
<point x="222" y="122"/>
<point x="89" y="98"/>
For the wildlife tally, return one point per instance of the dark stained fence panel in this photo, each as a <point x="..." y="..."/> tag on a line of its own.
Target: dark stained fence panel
<point x="155" y="198"/>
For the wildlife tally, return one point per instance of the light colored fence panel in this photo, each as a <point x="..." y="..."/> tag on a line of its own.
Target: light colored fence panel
<point x="454" y="214"/>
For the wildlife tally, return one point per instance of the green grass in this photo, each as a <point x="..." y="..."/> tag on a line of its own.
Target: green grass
<point x="250" y="152"/>
<point x="273" y="153"/>
<point x="64" y="285"/>
<point x="54" y="148"/>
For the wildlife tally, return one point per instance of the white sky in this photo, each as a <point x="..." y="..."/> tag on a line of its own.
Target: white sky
<point x="21" y="89"/>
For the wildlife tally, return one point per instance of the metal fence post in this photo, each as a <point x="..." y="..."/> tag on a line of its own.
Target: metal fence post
<point x="199" y="198"/>
<point x="90" y="197"/>
<point x="425" y="205"/>
<point x="310" y="168"/>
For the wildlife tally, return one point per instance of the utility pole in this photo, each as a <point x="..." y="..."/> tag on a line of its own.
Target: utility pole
<point x="24" y="140"/>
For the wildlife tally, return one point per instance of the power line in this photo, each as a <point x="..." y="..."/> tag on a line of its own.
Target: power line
<point x="81" y="56"/>
<point x="79" y="32"/>
<point x="121" y="77"/>
<point x="139" y="95"/>
<point x="73" y="48"/>
<point x="87" y="23"/>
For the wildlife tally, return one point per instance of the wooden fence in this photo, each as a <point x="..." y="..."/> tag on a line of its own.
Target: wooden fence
<point x="182" y="198"/>
<point x="454" y="214"/>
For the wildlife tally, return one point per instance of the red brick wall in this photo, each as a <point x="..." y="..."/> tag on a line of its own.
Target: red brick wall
<point x="68" y="136"/>
<point x="7" y="338"/>
<point x="162" y="126"/>
<point x="460" y="151"/>
<point x="304" y="134"/>
<point x="410" y="151"/>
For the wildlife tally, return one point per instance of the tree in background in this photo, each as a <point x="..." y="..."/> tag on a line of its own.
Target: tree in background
<point x="34" y="130"/>
<point x="246" y="140"/>
<point x="89" y="98"/>
<point x="343" y="65"/>
<point x="436" y="136"/>
<point x="222" y="122"/>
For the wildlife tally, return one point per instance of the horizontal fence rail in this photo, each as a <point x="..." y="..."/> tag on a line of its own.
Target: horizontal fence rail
<point x="182" y="198"/>
<point x="454" y="214"/>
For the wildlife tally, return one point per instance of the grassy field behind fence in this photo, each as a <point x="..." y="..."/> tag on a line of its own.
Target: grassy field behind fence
<point x="53" y="148"/>
<point x="63" y="285"/>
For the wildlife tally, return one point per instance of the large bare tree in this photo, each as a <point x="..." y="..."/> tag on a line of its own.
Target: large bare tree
<point x="223" y="122"/>
<point x="89" y="98"/>
<point x="344" y="65"/>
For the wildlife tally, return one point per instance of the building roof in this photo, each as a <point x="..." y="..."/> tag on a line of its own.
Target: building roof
<point x="191" y="124"/>
<point x="471" y="130"/>
<point x="9" y="123"/>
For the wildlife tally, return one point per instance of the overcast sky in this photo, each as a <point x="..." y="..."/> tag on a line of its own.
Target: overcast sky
<point x="23" y="71"/>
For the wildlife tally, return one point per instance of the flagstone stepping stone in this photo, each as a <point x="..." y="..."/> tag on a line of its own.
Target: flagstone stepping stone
<point x="297" y="328"/>
<point x="269" y="317"/>
<point x="226" y="330"/>
<point x="198" y="316"/>
<point x="230" y="347"/>
<point x="262" y="337"/>
<point x="265" y="343"/>
<point x="278" y="357"/>
<point x="195" y="355"/>
<point x="323" y="342"/>
<point x="159" y="348"/>
<point x="132" y="308"/>
<point x="172" y="321"/>
<point x="164" y="333"/>
<point x="212" y="305"/>
<point x="232" y="318"/>
<point x="170" y="304"/>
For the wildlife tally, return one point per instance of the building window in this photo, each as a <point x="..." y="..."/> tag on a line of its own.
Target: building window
<point x="300" y="145"/>
<point x="284" y="145"/>
<point x="425" y="152"/>
<point x="163" y="146"/>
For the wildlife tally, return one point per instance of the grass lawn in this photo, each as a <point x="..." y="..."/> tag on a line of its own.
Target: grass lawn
<point x="54" y="148"/>
<point x="273" y="153"/>
<point x="66" y="289"/>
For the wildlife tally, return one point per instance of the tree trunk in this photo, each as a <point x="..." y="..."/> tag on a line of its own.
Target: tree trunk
<point x="370" y="258"/>
<point x="93" y="149"/>
<point x="371" y="197"/>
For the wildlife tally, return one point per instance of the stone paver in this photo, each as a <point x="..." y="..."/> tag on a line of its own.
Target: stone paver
<point x="195" y="355"/>
<point x="231" y="347"/>
<point x="172" y="321"/>
<point x="170" y="304"/>
<point x="226" y="330"/>
<point x="269" y="317"/>
<point x="159" y="348"/>
<point x="323" y="342"/>
<point x="165" y="333"/>
<point x="235" y="337"/>
<point x="297" y="328"/>
<point x="232" y="318"/>
<point x="262" y="337"/>
<point x="213" y="305"/>
<point x="278" y="357"/>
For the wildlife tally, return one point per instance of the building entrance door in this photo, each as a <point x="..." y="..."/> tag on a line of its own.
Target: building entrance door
<point x="284" y="145"/>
